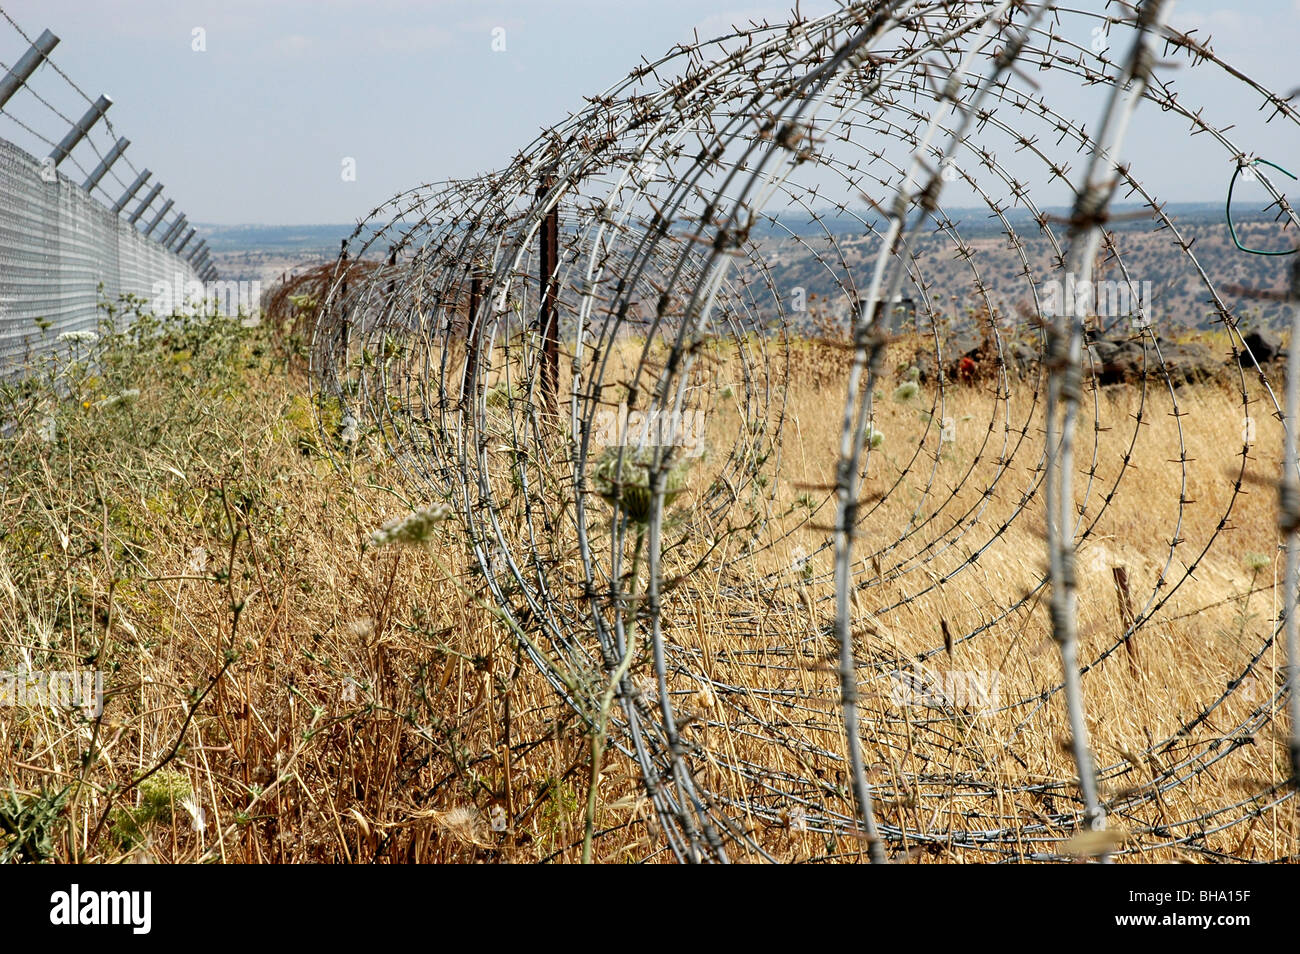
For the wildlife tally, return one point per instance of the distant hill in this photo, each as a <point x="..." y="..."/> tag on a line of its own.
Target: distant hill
<point x="812" y="259"/>
<point x="266" y="252"/>
<point x="267" y="238"/>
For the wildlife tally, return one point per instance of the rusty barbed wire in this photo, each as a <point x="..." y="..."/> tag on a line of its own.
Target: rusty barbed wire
<point x="589" y="355"/>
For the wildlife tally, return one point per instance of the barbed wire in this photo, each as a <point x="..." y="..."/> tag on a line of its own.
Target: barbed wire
<point x="539" y="346"/>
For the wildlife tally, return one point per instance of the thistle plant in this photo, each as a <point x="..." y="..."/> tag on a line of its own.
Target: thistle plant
<point x="622" y="476"/>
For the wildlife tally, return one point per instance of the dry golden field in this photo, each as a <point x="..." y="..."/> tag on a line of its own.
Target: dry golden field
<point x="277" y="689"/>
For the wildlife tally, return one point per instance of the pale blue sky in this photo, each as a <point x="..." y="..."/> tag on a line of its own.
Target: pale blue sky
<point x="254" y="129"/>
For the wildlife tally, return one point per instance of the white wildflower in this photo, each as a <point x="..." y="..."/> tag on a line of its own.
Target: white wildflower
<point x="497" y="816"/>
<point x="79" y="337"/>
<point x="414" y="529"/>
<point x="1257" y="561"/>
<point x="348" y="429"/>
<point x="647" y="688"/>
<point x="198" y="820"/>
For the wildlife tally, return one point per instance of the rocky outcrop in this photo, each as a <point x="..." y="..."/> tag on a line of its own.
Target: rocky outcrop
<point x="1113" y="358"/>
<point x="1263" y="348"/>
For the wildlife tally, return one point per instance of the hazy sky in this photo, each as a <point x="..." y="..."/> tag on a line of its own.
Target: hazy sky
<point x="254" y="128"/>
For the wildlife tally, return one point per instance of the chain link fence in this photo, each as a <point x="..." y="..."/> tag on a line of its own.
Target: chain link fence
<point x="60" y="251"/>
<point x="66" y="245"/>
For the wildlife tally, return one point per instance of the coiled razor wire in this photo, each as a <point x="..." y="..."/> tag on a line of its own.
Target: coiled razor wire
<point x="588" y="355"/>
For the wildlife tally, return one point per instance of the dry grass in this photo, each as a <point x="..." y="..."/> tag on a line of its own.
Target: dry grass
<point x="279" y="691"/>
<point x="324" y="701"/>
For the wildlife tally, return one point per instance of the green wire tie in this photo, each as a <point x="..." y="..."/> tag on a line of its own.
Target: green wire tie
<point x="1232" y="229"/>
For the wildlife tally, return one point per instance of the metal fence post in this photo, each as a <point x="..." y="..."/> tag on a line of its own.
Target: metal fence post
<point x="185" y="241"/>
<point x="145" y="203"/>
<point x="105" y="164"/>
<point x="345" y="332"/>
<point x="159" y="217"/>
<point x="24" y="68"/>
<point x="548" y="318"/>
<point x="183" y="235"/>
<point x="79" y="129"/>
<point x="130" y="192"/>
<point x="172" y="231"/>
<point x="471" y="332"/>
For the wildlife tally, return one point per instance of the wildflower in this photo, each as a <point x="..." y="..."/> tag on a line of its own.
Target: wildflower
<point x="647" y="688"/>
<point x="874" y="437"/>
<point x="906" y="391"/>
<point x="413" y="530"/>
<point x="348" y="429"/>
<point x="1257" y="561"/>
<point x="793" y="819"/>
<point x="497" y="817"/>
<point x="79" y="337"/>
